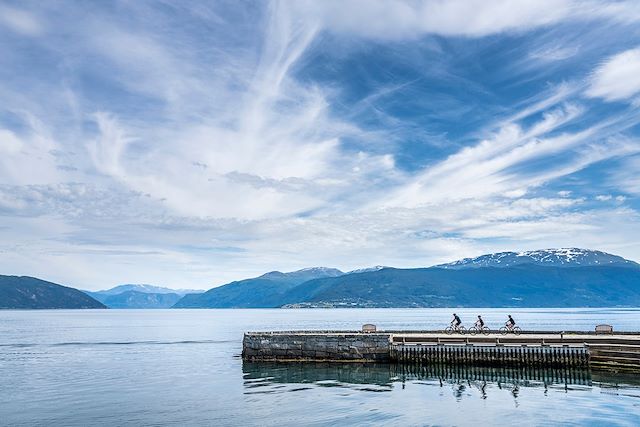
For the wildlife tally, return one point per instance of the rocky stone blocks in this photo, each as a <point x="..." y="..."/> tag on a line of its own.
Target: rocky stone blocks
<point x="316" y="346"/>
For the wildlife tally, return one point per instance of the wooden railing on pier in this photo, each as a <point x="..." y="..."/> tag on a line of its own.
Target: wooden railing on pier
<point x="483" y="355"/>
<point x="618" y="352"/>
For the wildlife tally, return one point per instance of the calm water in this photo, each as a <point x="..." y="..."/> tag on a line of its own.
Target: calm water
<point x="182" y="367"/>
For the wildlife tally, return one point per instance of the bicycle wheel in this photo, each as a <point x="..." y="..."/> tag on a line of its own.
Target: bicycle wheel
<point x="448" y="330"/>
<point x="462" y="330"/>
<point x="473" y="330"/>
<point x="517" y="330"/>
<point x="504" y="330"/>
<point x="486" y="330"/>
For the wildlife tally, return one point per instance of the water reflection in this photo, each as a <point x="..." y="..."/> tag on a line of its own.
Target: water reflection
<point x="257" y="375"/>
<point x="386" y="376"/>
<point x="523" y="376"/>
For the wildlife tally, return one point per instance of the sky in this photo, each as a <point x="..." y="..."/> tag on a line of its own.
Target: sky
<point x="191" y="143"/>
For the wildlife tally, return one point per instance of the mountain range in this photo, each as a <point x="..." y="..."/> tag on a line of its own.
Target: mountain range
<point x="568" y="277"/>
<point x="140" y="296"/>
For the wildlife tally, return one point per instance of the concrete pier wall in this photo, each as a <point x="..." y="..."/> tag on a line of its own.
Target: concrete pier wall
<point x="330" y="346"/>
<point x="619" y="352"/>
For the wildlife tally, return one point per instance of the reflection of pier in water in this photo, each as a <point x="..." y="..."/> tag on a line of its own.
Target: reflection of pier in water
<point x="521" y="376"/>
<point x="309" y="373"/>
<point x="388" y="374"/>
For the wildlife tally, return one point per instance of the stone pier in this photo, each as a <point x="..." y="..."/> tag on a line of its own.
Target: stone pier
<point x="618" y="352"/>
<point x="316" y="346"/>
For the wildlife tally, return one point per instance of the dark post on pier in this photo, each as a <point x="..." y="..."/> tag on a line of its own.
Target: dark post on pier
<point x="618" y="352"/>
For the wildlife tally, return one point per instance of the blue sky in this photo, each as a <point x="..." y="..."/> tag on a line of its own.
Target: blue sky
<point x="191" y="143"/>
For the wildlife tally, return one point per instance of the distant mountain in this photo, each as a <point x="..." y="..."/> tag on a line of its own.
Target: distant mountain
<point x="566" y="257"/>
<point x="302" y="275"/>
<point x="148" y="289"/>
<point x="23" y="292"/>
<point x="546" y="278"/>
<point x="140" y="296"/>
<point x="524" y="285"/>
<point x="264" y="291"/>
<point x="135" y="299"/>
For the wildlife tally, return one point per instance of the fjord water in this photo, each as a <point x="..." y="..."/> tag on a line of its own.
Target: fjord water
<point x="182" y="367"/>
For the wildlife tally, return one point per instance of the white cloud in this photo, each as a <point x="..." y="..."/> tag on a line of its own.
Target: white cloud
<point x="554" y="53"/>
<point x="626" y="177"/>
<point x="618" y="78"/>
<point x="515" y="194"/>
<point x="604" y="197"/>
<point x="110" y="145"/>
<point x="272" y="128"/>
<point x="485" y="169"/>
<point x="624" y="11"/>
<point x="20" y="21"/>
<point x="388" y="19"/>
<point x="9" y="142"/>
<point x="195" y="158"/>
<point x="26" y="158"/>
<point x="396" y="20"/>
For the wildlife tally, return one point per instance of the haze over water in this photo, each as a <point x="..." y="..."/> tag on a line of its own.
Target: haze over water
<point x="161" y="367"/>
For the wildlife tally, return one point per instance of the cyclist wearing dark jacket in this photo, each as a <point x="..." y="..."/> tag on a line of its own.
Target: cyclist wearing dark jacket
<point x="456" y="320"/>
<point x="480" y="322"/>
<point x="511" y="323"/>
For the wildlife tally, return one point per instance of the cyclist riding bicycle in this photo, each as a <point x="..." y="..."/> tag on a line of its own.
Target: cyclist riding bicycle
<point x="456" y="322"/>
<point x="510" y="323"/>
<point x="480" y="322"/>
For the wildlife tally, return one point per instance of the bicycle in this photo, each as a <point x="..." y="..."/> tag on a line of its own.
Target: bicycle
<point x="451" y="329"/>
<point x="514" y="330"/>
<point x="478" y="330"/>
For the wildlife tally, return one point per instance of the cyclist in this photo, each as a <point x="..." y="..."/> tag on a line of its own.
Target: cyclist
<point x="510" y="323"/>
<point x="456" y="322"/>
<point x="480" y="322"/>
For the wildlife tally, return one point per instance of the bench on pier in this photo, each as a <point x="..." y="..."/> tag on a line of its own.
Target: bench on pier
<point x="368" y="327"/>
<point x="604" y="329"/>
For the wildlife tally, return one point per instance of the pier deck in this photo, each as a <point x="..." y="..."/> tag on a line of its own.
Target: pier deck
<point x="620" y="351"/>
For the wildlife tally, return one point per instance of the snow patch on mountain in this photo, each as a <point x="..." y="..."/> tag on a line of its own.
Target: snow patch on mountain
<point x="367" y="269"/>
<point x="328" y="271"/>
<point x="147" y="289"/>
<point x="563" y="257"/>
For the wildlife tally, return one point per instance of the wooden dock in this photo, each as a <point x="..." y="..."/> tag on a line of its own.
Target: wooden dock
<point x="617" y="352"/>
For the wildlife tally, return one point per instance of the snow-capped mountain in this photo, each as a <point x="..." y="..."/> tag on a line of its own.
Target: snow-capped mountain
<point x="140" y="296"/>
<point x="459" y="284"/>
<point x="147" y="289"/>
<point x="326" y="271"/>
<point x="565" y="257"/>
